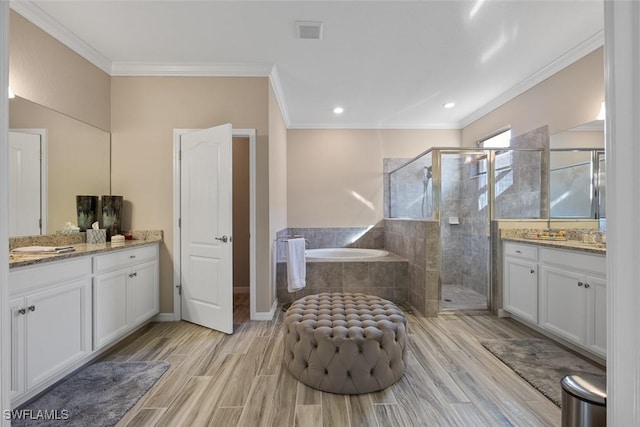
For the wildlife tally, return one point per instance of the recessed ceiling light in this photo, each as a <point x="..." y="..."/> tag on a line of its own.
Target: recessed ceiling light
<point x="338" y="110"/>
<point x="449" y="105"/>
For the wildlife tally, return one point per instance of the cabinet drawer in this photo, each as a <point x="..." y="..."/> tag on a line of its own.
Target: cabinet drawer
<point x="32" y="277"/>
<point x="574" y="260"/>
<point x="124" y="258"/>
<point x="521" y="251"/>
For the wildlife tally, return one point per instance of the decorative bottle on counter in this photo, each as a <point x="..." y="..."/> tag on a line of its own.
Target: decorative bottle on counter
<point x="87" y="208"/>
<point x="111" y="214"/>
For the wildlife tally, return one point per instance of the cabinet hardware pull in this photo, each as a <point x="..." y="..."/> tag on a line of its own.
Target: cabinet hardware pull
<point x="22" y="311"/>
<point x="133" y="274"/>
<point x="518" y="252"/>
<point x="132" y="256"/>
<point x="532" y="271"/>
<point x="580" y="283"/>
<point x="586" y="285"/>
<point x="32" y="308"/>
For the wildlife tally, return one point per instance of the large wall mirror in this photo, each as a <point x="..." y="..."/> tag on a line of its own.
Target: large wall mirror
<point x="76" y="160"/>
<point x="577" y="173"/>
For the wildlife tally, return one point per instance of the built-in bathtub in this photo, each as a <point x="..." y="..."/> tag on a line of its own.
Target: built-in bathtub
<point x="370" y="271"/>
<point x="344" y="254"/>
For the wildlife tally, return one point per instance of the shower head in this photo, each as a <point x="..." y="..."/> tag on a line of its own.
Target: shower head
<point x="426" y="172"/>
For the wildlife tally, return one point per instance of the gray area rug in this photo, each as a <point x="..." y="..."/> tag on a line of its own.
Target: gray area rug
<point x="98" y="395"/>
<point x="541" y="363"/>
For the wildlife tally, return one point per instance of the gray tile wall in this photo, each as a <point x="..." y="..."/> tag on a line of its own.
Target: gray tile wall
<point x="386" y="279"/>
<point x="419" y="242"/>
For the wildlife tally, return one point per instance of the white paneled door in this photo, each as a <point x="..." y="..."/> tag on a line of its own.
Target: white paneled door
<point x="205" y="228"/>
<point x="24" y="184"/>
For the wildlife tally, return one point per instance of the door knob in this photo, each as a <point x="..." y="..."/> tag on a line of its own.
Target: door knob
<point x="223" y="239"/>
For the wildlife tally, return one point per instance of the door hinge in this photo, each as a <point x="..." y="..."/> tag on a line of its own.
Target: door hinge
<point x="180" y="155"/>
<point x="179" y="222"/>
<point x="179" y="289"/>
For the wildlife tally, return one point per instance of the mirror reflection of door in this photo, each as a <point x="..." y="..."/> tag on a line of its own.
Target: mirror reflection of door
<point x="25" y="183"/>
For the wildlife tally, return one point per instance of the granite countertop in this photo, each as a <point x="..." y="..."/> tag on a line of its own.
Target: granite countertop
<point x="142" y="238"/>
<point x="594" y="248"/>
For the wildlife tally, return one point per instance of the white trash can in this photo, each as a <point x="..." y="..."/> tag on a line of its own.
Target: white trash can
<point x="584" y="401"/>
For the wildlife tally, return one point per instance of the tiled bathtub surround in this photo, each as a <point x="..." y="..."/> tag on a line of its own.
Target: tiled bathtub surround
<point x="419" y="242"/>
<point x="386" y="277"/>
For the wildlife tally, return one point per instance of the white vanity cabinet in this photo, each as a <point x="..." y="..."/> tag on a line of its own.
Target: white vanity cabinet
<point x="561" y="291"/>
<point x="573" y="297"/>
<point x="125" y="292"/>
<point x="50" y="310"/>
<point x="521" y="280"/>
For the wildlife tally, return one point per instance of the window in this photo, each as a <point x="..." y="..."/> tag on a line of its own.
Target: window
<point x="500" y="140"/>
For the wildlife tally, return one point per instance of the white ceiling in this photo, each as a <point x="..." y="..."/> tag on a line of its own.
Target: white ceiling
<point x="390" y="64"/>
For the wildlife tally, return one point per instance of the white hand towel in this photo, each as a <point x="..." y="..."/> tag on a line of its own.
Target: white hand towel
<point x="296" y="265"/>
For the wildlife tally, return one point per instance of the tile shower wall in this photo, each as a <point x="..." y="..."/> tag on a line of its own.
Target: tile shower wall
<point x="409" y="199"/>
<point x="523" y="191"/>
<point x="419" y="242"/>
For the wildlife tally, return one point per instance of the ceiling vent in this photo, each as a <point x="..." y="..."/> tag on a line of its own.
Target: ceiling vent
<point x="309" y="30"/>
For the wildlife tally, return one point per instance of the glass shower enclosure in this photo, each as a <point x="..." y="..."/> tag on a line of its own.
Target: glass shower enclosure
<point x="464" y="189"/>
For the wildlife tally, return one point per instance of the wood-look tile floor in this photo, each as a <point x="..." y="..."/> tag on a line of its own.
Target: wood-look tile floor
<point x="239" y="380"/>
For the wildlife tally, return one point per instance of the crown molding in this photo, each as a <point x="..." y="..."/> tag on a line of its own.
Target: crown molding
<point x="581" y="50"/>
<point x="373" y="126"/>
<point x="276" y="85"/>
<point x="197" y="69"/>
<point x="42" y="20"/>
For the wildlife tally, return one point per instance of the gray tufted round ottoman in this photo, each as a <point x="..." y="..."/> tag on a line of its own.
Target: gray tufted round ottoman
<point x="345" y="343"/>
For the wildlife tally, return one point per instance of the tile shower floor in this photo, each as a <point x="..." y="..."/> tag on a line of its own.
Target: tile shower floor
<point x="457" y="297"/>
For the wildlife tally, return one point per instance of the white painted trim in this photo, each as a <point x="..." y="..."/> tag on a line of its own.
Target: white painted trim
<point x="366" y="126"/>
<point x="276" y="84"/>
<point x="41" y="19"/>
<point x="248" y="133"/>
<point x="578" y="52"/>
<point x="5" y="331"/>
<point x="268" y="315"/>
<point x="124" y="69"/>
<point x="503" y="313"/>
<point x="164" y="317"/>
<point x="44" y="187"/>
<point x="622" y="145"/>
<point x="45" y="22"/>
<point x="177" y="310"/>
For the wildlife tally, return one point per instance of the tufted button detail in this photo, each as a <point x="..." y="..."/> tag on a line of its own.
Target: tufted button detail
<point x="352" y="320"/>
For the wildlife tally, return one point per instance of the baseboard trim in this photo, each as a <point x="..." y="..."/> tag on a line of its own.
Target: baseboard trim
<point x="164" y="317"/>
<point x="268" y="315"/>
<point x="503" y="313"/>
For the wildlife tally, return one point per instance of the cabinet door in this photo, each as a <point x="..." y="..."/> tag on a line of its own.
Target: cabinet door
<point x="563" y="301"/>
<point x="58" y="329"/>
<point x="110" y="319"/>
<point x="596" y="315"/>
<point x="521" y="288"/>
<point x="18" y="373"/>
<point x="143" y="292"/>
